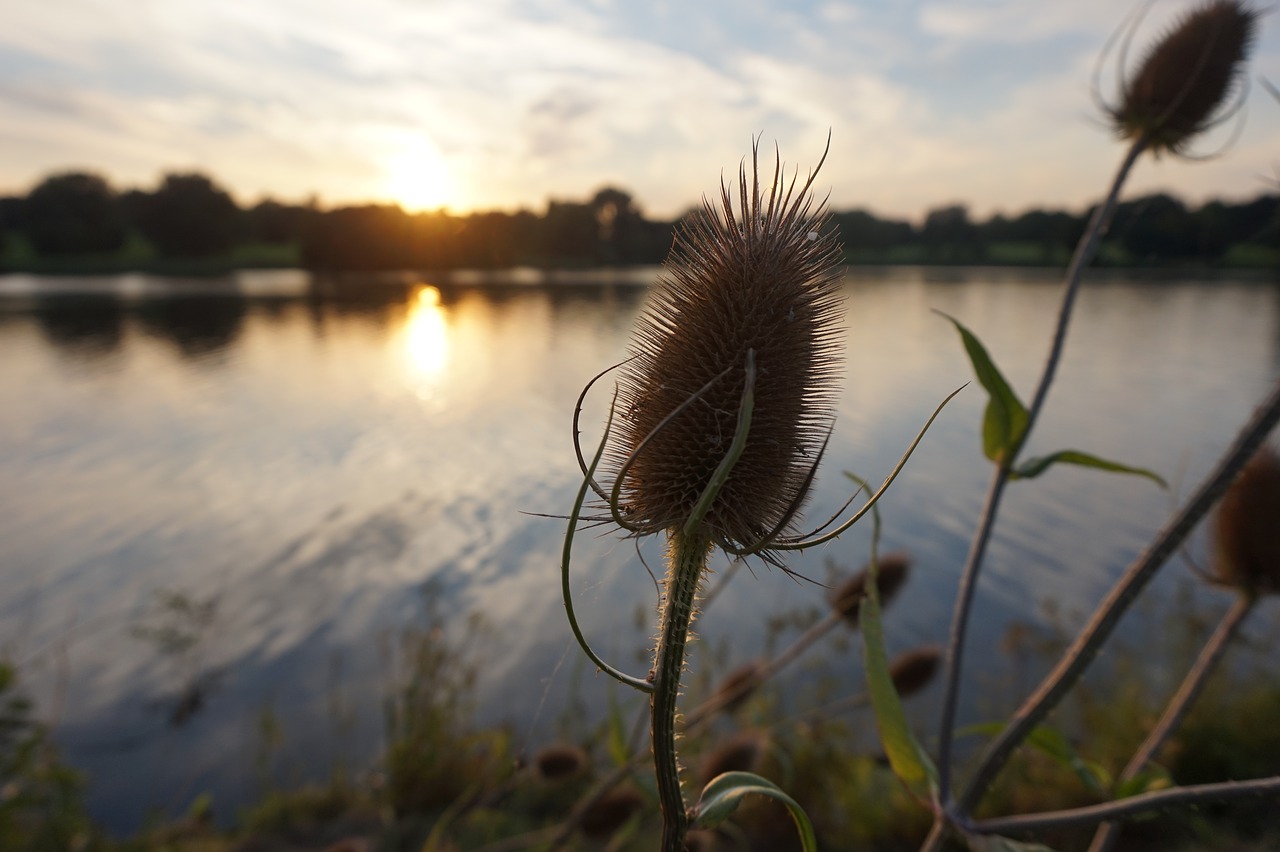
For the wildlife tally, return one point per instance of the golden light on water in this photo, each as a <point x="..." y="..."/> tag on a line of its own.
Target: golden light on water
<point x="426" y="335"/>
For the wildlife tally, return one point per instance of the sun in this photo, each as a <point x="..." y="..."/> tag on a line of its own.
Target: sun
<point x="417" y="176"/>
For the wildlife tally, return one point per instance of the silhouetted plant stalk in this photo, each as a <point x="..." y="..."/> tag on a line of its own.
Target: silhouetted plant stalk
<point x="719" y="421"/>
<point x="1177" y="93"/>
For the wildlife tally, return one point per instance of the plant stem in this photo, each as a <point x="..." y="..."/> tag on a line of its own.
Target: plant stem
<point x="1263" y="788"/>
<point x="1104" y="620"/>
<point x="686" y="561"/>
<point x="1084" y="254"/>
<point x="1181" y="702"/>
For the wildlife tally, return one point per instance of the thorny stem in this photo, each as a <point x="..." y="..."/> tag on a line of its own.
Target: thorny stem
<point x="1104" y="620"/>
<point x="1181" y="702"/>
<point x="687" y="560"/>
<point x="1084" y="255"/>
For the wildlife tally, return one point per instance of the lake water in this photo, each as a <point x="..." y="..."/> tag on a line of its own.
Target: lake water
<point x="321" y="463"/>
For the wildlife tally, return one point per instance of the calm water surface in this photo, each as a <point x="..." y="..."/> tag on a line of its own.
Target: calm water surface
<point x="322" y="469"/>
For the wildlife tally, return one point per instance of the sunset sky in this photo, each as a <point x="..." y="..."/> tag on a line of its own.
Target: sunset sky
<point x="484" y="104"/>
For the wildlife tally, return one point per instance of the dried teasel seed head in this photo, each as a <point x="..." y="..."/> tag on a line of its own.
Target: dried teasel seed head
<point x="892" y="573"/>
<point x="761" y="280"/>
<point x="739" y="753"/>
<point x="738" y="685"/>
<point x="560" y="762"/>
<point x="1247" y="528"/>
<point x="1186" y="77"/>
<point x="911" y="671"/>
<point x="701" y="840"/>
<point x="611" y="811"/>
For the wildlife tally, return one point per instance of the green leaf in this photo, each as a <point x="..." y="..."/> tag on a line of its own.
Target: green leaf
<point x="1155" y="778"/>
<point x="908" y="760"/>
<point x="1053" y="744"/>
<point x="1034" y="467"/>
<point x="1005" y="420"/>
<point x="995" y="843"/>
<point x="722" y="795"/>
<point x="619" y="749"/>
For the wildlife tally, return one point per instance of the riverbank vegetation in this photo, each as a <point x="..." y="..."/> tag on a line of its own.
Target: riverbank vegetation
<point x="78" y="223"/>
<point x="441" y="783"/>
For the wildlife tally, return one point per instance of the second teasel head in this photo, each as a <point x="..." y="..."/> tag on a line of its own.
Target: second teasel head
<point x="1184" y="80"/>
<point x="750" y="294"/>
<point x="1247" y="528"/>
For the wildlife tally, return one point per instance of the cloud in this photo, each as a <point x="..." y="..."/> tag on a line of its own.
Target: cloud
<point x="929" y="102"/>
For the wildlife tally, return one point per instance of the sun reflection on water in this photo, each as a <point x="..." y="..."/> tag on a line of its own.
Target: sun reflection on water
<point x="426" y="338"/>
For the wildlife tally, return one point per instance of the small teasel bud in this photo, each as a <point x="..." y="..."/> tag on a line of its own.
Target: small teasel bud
<point x="738" y="685"/>
<point x="752" y="291"/>
<point x="911" y="671"/>
<point x="611" y="811"/>
<point x="1247" y="528"/>
<point x="560" y="762"/>
<point x="892" y="573"/>
<point x="1186" y="77"/>
<point x="739" y="753"/>
<point x="701" y="840"/>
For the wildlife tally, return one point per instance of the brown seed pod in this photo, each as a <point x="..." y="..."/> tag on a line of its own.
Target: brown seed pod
<point x="611" y="811"/>
<point x="701" y="840"/>
<point x="760" y="285"/>
<point x="560" y="762"/>
<point x="1186" y="77"/>
<point x="739" y="753"/>
<point x="1247" y="528"/>
<point x="893" y="570"/>
<point x="738" y="685"/>
<point x="911" y="671"/>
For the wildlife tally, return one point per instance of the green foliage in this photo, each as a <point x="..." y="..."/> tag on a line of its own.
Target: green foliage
<point x="908" y="759"/>
<point x="1005" y="420"/>
<point x="722" y="795"/>
<point x="435" y="756"/>
<point x="41" y="807"/>
<point x="1004" y="423"/>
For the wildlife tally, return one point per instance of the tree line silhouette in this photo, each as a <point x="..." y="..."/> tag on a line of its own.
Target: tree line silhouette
<point x="79" y="215"/>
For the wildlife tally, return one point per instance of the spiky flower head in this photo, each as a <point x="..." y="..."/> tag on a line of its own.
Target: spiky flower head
<point x="1247" y="528"/>
<point x="747" y="295"/>
<point x="1186" y="77"/>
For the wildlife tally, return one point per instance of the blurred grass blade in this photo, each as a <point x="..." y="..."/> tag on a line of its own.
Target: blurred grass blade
<point x="1005" y="419"/>
<point x="908" y="760"/>
<point x="1034" y="467"/>
<point x="722" y="795"/>
<point x="1053" y="744"/>
<point x="995" y="843"/>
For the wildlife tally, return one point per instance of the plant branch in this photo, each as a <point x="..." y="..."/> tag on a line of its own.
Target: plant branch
<point x="1181" y="702"/>
<point x="1136" y="576"/>
<point x="1124" y="808"/>
<point x="1083" y="256"/>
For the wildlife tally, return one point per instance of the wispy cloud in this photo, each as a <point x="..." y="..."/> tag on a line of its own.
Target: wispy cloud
<point x="927" y="101"/>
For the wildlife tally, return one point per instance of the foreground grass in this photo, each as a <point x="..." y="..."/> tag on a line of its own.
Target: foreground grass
<point x="443" y="784"/>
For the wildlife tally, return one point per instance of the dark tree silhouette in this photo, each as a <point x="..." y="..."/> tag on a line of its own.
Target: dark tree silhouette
<point x="1156" y="226"/>
<point x="279" y="224"/>
<point x="73" y="214"/>
<point x="948" y="235"/>
<point x="189" y="216"/>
